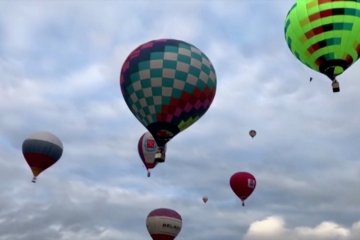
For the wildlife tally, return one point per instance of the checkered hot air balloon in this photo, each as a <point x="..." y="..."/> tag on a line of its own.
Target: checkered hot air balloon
<point x="168" y="85"/>
<point x="41" y="150"/>
<point x="325" y="35"/>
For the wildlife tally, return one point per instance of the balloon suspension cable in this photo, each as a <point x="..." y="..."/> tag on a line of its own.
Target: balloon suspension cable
<point x="34" y="179"/>
<point x="148" y="173"/>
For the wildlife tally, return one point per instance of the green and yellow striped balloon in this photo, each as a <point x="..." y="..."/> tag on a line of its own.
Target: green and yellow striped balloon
<point x="324" y="34"/>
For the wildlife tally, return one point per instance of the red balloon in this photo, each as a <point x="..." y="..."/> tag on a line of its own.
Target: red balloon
<point x="243" y="184"/>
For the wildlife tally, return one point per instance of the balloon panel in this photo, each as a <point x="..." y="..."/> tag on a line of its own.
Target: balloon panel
<point x="46" y="137"/>
<point x="46" y="148"/>
<point x="167" y="84"/>
<point x="162" y="225"/>
<point x="147" y="148"/>
<point x="324" y="35"/>
<point x="165" y="212"/>
<point x="38" y="162"/>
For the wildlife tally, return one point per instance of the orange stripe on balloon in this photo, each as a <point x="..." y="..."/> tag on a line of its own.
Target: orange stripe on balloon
<point x="304" y="22"/>
<point x="311" y="4"/>
<point x="36" y="171"/>
<point x="314" y="16"/>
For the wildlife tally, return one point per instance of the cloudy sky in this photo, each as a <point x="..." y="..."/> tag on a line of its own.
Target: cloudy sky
<point x="59" y="71"/>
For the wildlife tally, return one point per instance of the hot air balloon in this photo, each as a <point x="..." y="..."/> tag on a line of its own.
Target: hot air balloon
<point x="163" y="224"/>
<point x="243" y="184"/>
<point x="205" y="199"/>
<point x="324" y="35"/>
<point x="168" y="85"/>
<point x="252" y="133"/>
<point x="41" y="150"/>
<point x="147" y="149"/>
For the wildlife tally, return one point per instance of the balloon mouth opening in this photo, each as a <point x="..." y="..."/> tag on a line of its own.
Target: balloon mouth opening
<point x="334" y="67"/>
<point x="162" y="132"/>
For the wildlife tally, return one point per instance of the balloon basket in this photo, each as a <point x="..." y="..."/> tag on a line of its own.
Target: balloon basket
<point x="335" y="86"/>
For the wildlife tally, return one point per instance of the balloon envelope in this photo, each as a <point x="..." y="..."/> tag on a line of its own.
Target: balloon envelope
<point x="242" y="184"/>
<point x="252" y="133"/>
<point x="205" y="199"/>
<point x="324" y="35"/>
<point x="163" y="224"/>
<point x="168" y="85"/>
<point x="41" y="150"/>
<point x="147" y="148"/>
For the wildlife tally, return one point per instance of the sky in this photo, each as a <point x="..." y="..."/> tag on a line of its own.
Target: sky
<point x="60" y="64"/>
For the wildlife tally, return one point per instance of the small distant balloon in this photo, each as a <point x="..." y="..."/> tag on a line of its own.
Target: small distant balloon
<point x="252" y="133"/>
<point x="41" y="150"/>
<point x="205" y="199"/>
<point x="163" y="224"/>
<point x="243" y="184"/>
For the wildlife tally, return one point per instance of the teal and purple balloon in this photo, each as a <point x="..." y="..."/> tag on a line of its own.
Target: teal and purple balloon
<point x="168" y="85"/>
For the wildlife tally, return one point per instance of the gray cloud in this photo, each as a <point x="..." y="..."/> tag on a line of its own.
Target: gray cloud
<point x="60" y="72"/>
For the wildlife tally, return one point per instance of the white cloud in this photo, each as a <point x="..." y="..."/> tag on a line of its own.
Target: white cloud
<point x="269" y="228"/>
<point x="274" y="227"/>
<point x="325" y="230"/>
